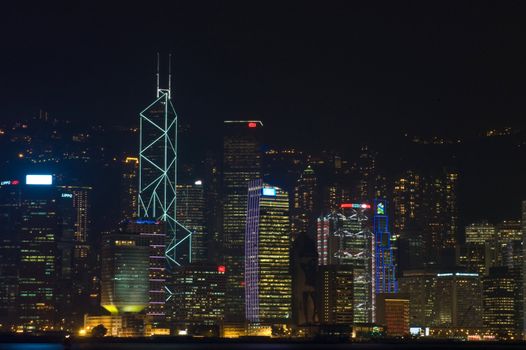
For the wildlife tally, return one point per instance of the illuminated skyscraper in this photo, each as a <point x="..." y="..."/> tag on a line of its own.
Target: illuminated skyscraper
<point x="441" y="218"/>
<point x="125" y="272"/>
<point x="419" y="285"/>
<point x="481" y="250"/>
<point x="426" y="218"/>
<point x="367" y="174"/>
<point x="336" y="294"/>
<point x="268" y="291"/>
<point x="393" y="313"/>
<point x="408" y="221"/>
<point x="128" y="193"/>
<point x="345" y="239"/>
<point x="198" y="296"/>
<point x="38" y="268"/>
<point x="509" y="239"/>
<point x="9" y="253"/>
<point x="501" y="306"/>
<point x="152" y="234"/>
<point x="384" y="253"/>
<point x="508" y="231"/>
<point x="77" y="270"/>
<point x="241" y="163"/>
<point x="191" y="213"/>
<point x="523" y="222"/>
<point x="158" y="171"/>
<point x="44" y="268"/>
<point x="480" y="233"/>
<point x="304" y="211"/>
<point x="457" y="300"/>
<point x="407" y="201"/>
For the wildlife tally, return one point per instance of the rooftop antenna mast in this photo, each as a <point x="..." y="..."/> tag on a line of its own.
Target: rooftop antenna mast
<point x="158" y="74"/>
<point x="170" y="75"/>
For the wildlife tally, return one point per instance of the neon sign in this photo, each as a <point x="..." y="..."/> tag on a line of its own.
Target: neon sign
<point x="67" y="195"/>
<point x="355" y="205"/>
<point x="9" y="182"/>
<point x="268" y="191"/>
<point x="380" y="209"/>
<point x="39" y="179"/>
<point x="146" y="222"/>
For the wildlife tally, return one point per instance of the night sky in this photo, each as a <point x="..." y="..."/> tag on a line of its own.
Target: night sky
<point x="334" y="73"/>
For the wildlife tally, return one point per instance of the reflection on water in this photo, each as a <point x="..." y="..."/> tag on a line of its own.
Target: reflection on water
<point x="165" y="346"/>
<point x="32" y="346"/>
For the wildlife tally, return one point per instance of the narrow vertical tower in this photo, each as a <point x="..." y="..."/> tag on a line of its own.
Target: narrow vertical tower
<point x="385" y="267"/>
<point x="158" y="169"/>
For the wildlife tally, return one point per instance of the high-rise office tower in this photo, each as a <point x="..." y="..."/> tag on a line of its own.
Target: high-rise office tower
<point x="393" y="312"/>
<point x="408" y="220"/>
<point x="480" y="233"/>
<point x="426" y="219"/>
<point x="198" y="296"/>
<point x="213" y="206"/>
<point x="151" y="233"/>
<point x="344" y="239"/>
<point x="77" y="270"/>
<point x="367" y="175"/>
<point x="39" y="255"/>
<point x="336" y="294"/>
<point x="458" y="300"/>
<point x="191" y="213"/>
<point x="45" y="269"/>
<point x="441" y="218"/>
<point x="523" y="222"/>
<point x="158" y="171"/>
<point x="241" y="163"/>
<point x="268" y="291"/>
<point x="509" y="230"/>
<point x="501" y="312"/>
<point x="333" y="195"/>
<point x="407" y="201"/>
<point x="385" y="273"/>
<point x="419" y="285"/>
<point x="9" y="253"/>
<point x="305" y="208"/>
<point x="482" y="249"/>
<point x="128" y="189"/>
<point x="509" y="243"/>
<point x="125" y="272"/>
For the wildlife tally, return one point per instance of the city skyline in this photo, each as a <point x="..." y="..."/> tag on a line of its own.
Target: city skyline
<point x="349" y="173"/>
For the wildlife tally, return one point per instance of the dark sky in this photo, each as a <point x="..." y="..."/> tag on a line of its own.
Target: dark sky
<point x="357" y="69"/>
<point x="329" y="74"/>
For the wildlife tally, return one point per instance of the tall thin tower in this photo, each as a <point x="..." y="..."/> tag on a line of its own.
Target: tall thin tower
<point x="158" y="170"/>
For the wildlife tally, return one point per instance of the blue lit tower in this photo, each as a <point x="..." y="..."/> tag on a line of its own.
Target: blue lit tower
<point x="385" y="268"/>
<point x="158" y="171"/>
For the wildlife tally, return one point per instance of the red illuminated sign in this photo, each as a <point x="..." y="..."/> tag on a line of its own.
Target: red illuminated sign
<point x="221" y="269"/>
<point x="355" y="205"/>
<point x="252" y="125"/>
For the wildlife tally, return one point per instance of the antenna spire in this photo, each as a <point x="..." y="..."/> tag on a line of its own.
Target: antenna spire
<point x="157" y="74"/>
<point x="170" y="74"/>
